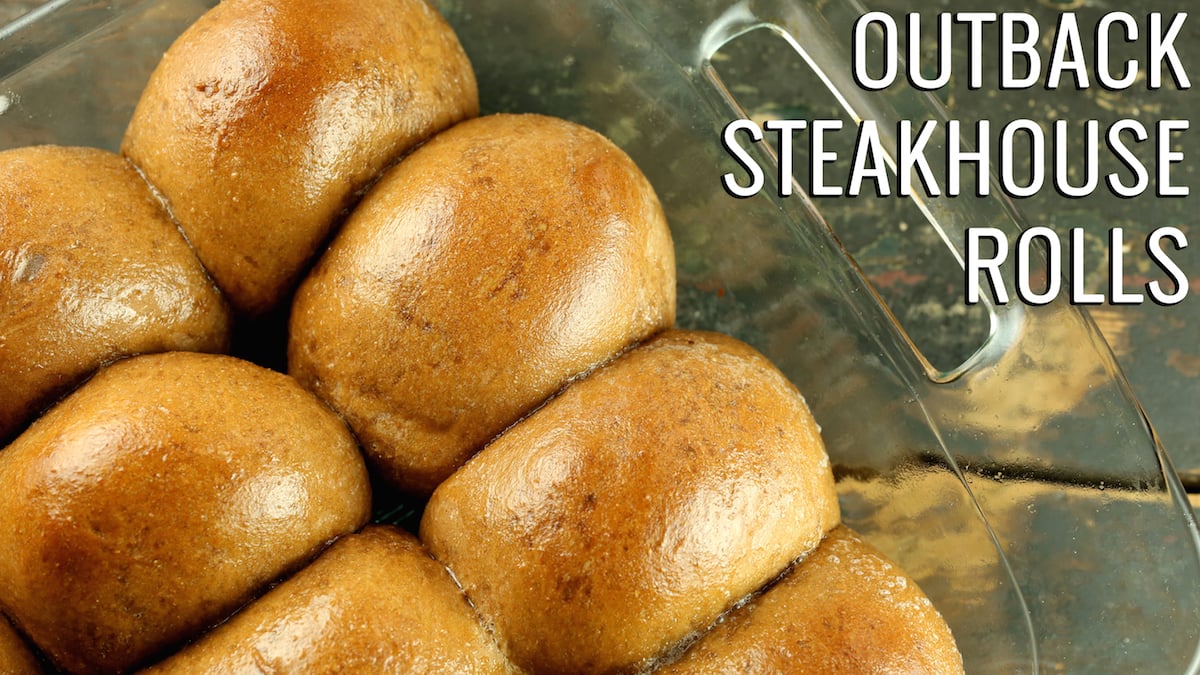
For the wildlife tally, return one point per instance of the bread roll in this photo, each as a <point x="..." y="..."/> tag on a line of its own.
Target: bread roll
<point x="15" y="656"/>
<point x="635" y="507"/>
<point x="91" y="269"/>
<point x="505" y="256"/>
<point x="161" y="496"/>
<point x="373" y="603"/>
<point x="266" y="118"/>
<point x="844" y="609"/>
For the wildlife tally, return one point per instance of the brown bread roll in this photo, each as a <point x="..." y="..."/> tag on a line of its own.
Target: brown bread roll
<point x="161" y="496"/>
<point x="497" y="261"/>
<point x="373" y="603"/>
<point x="844" y="609"/>
<point x="91" y="269"/>
<point x="266" y="118"/>
<point x="635" y="507"/>
<point x="15" y="656"/>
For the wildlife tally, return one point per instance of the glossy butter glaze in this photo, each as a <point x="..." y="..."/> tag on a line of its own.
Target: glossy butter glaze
<point x="160" y="497"/>
<point x="637" y="506"/>
<point x="261" y="129"/>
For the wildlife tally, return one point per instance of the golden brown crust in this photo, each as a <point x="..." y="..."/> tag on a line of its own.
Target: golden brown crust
<point x="844" y="609"/>
<point x="267" y="117"/>
<point x="91" y="269"/>
<point x="503" y="257"/>
<point x="375" y="602"/>
<point x="15" y="656"/>
<point x="162" y="495"/>
<point x="636" y="506"/>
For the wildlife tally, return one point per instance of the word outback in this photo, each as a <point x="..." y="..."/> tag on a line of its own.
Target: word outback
<point x="1021" y="157"/>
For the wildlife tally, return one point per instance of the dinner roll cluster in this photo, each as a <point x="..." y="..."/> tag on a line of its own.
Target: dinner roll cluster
<point x="481" y="323"/>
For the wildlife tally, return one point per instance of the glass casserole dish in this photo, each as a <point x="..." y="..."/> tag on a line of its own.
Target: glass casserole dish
<point x="1023" y="489"/>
